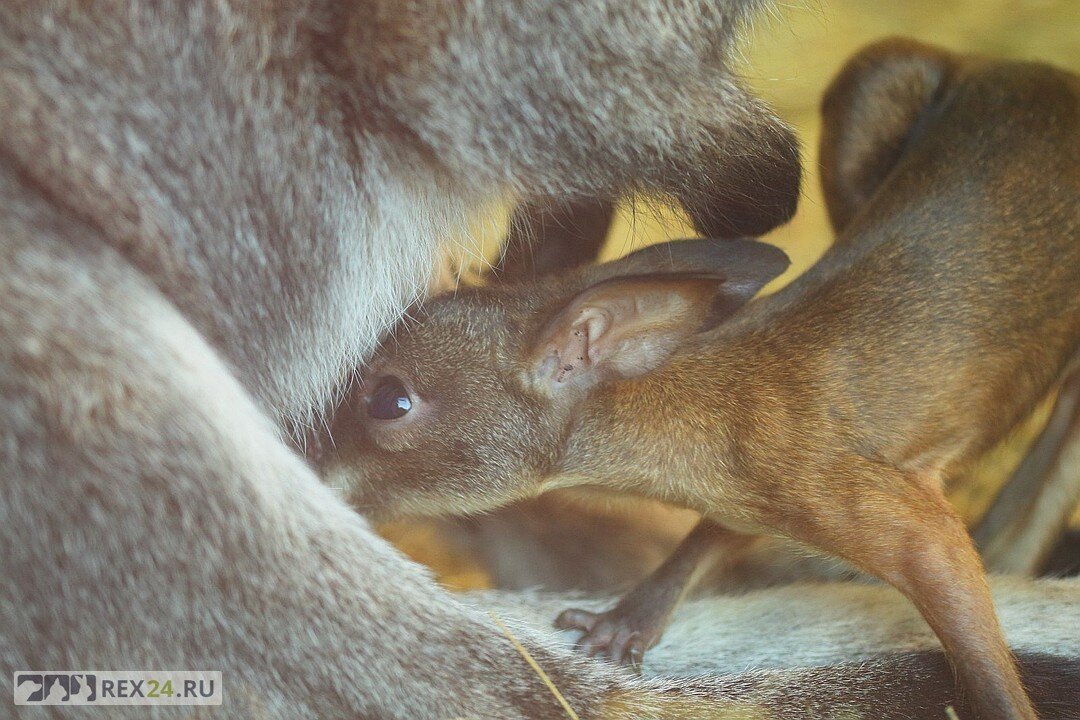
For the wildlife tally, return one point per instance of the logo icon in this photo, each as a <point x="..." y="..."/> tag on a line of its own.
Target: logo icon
<point x="55" y="688"/>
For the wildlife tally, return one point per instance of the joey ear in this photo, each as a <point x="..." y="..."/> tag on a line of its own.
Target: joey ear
<point x="546" y="237"/>
<point x="636" y="311"/>
<point x="621" y="328"/>
<point x="872" y="112"/>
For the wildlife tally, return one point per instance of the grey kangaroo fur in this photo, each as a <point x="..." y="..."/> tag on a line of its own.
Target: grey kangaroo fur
<point x="208" y="213"/>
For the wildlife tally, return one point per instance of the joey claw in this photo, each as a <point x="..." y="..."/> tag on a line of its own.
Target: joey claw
<point x="614" y="635"/>
<point x="622" y="643"/>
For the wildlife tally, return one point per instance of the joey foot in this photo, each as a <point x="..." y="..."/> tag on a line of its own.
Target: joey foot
<point x="621" y="634"/>
<point x="635" y="624"/>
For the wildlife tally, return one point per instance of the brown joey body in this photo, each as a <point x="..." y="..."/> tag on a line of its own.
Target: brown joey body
<point x="830" y="412"/>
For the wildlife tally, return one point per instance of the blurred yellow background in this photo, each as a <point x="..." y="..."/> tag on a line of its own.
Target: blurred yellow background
<point x="790" y="57"/>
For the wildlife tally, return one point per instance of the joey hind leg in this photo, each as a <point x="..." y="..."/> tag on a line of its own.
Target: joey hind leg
<point x="901" y="529"/>
<point x="637" y="621"/>
<point x="1032" y="509"/>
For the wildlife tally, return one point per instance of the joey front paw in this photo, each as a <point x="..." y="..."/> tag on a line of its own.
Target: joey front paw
<point x="619" y="634"/>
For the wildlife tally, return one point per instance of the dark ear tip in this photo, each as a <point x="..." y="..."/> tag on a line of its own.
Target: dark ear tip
<point x="771" y="260"/>
<point x="782" y="261"/>
<point x="744" y="256"/>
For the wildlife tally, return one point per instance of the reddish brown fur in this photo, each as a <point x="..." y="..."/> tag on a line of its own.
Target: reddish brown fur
<point x="831" y="412"/>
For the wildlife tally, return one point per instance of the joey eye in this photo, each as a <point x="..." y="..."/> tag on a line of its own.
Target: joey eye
<point x="388" y="399"/>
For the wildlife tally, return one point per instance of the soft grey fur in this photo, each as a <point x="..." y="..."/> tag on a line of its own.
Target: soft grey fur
<point x="813" y="624"/>
<point x="828" y="651"/>
<point x="208" y="211"/>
